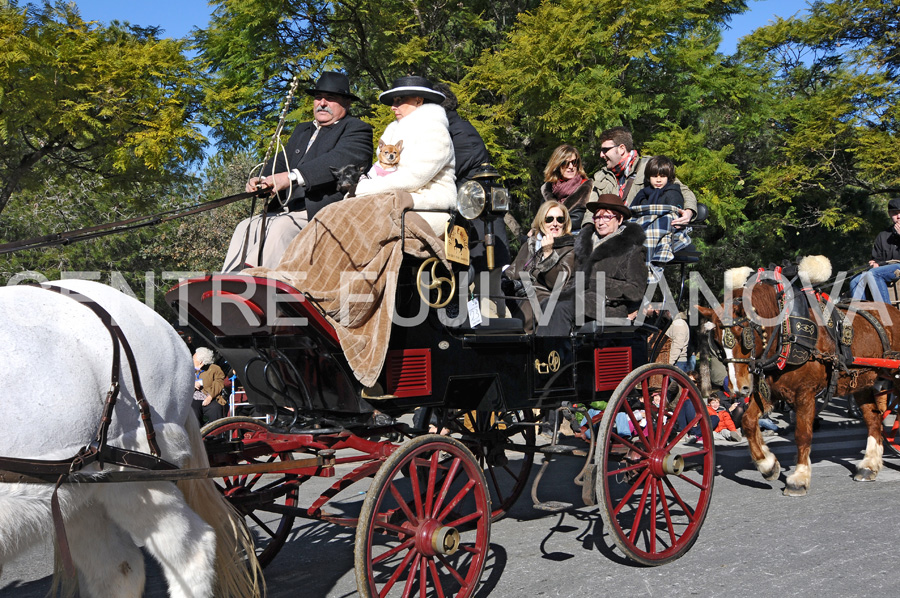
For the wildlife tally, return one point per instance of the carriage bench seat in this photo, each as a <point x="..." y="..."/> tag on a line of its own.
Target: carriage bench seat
<point x="596" y="327"/>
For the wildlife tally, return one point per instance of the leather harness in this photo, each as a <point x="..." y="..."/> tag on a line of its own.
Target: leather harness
<point x="97" y="450"/>
<point x="794" y="340"/>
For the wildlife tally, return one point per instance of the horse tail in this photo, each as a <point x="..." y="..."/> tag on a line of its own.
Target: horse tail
<point x="238" y="574"/>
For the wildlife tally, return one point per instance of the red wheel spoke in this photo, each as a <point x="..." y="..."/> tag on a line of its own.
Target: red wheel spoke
<point x="390" y="527"/>
<point x="394" y="551"/>
<point x="417" y="493"/>
<point x="689" y="512"/>
<point x="407" y="589"/>
<point x="692" y="482"/>
<point x="638" y="431"/>
<point x="445" y="487"/>
<point x="432" y="473"/>
<point x="465" y="519"/>
<point x="666" y="512"/>
<point x="626" y="499"/>
<point x="459" y="578"/>
<point x="437" y="580"/>
<point x="639" y="512"/>
<point x="397" y="573"/>
<point x="423" y="576"/>
<point x="456" y="500"/>
<point x="403" y="505"/>
<point x="652" y="514"/>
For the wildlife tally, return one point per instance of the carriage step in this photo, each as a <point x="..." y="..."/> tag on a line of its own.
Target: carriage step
<point x="563" y="449"/>
<point x="554" y="506"/>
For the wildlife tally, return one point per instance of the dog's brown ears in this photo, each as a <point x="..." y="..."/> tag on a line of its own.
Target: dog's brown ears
<point x="380" y="144"/>
<point x="399" y="146"/>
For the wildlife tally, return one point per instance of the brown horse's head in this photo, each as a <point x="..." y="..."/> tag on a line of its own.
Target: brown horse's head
<point x="740" y="327"/>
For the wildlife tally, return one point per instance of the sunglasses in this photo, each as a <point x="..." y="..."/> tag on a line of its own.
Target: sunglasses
<point x="603" y="150"/>
<point x="573" y="162"/>
<point x="604" y="216"/>
<point x="560" y="219"/>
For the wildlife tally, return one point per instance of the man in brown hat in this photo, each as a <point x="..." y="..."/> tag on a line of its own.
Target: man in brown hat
<point x="306" y="183"/>
<point x="611" y="255"/>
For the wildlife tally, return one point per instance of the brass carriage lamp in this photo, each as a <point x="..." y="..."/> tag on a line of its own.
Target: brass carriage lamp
<point x="472" y="202"/>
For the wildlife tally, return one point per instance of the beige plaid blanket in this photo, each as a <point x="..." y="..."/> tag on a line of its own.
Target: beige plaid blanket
<point x="347" y="259"/>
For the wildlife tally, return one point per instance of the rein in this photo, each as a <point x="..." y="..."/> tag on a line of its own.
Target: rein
<point x="110" y="228"/>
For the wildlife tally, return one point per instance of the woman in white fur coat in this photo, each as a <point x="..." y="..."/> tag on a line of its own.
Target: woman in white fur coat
<point x="426" y="167"/>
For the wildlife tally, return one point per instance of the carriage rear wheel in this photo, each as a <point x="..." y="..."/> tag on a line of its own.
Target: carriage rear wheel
<point x="424" y="528"/>
<point x="890" y="423"/>
<point x="239" y="441"/>
<point x="653" y="487"/>
<point x="503" y="444"/>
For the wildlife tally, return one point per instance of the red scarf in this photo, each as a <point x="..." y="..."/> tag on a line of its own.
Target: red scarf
<point x="624" y="169"/>
<point x="561" y="189"/>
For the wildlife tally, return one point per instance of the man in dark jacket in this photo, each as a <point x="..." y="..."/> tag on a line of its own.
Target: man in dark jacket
<point x="611" y="255"/>
<point x="306" y="183"/>
<point x="885" y="262"/>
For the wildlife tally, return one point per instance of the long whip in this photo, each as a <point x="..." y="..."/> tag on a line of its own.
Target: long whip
<point x="274" y="143"/>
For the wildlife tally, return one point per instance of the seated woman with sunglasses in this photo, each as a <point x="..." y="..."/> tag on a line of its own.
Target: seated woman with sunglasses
<point x="547" y="257"/>
<point x="611" y="253"/>
<point x="566" y="181"/>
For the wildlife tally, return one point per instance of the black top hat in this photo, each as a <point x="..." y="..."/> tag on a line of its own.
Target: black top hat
<point x="334" y="83"/>
<point x="413" y="86"/>
<point x="894" y="204"/>
<point x="608" y="201"/>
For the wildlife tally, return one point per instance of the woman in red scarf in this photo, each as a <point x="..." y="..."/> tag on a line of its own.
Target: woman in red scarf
<point x="567" y="182"/>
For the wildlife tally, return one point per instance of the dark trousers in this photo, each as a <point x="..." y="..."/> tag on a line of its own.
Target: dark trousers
<point x="209" y="413"/>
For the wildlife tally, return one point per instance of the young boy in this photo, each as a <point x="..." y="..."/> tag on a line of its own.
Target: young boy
<point x="662" y="190"/>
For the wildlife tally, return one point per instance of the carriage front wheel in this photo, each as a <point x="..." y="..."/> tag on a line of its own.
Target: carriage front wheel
<point x="654" y="474"/>
<point x="424" y="528"/>
<point x="241" y="441"/>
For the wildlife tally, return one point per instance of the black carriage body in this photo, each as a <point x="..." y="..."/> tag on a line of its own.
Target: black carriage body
<point x="285" y="352"/>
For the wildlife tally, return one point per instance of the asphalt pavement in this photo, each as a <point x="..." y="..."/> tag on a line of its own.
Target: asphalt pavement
<point x="836" y="542"/>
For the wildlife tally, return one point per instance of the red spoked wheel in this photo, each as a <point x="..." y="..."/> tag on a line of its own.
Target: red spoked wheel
<point x="424" y="528"/>
<point x="239" y="441"/>
<point x="890" y="423"/>
<point x="653" y="487"/>
<point x="503" y="445"/>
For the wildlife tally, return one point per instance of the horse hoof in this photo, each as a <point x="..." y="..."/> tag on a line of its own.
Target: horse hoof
<point x="865" y="475"/>
<point x="791" y="490"/>
<point x="773" y="474"/>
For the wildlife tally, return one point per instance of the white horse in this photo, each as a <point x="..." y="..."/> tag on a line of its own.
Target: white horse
<point x="56" y="373"/>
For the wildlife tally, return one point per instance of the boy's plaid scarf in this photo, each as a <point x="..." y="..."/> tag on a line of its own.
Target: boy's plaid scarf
<point x="662" y="240"/>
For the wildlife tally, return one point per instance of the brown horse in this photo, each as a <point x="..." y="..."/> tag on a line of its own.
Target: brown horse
<point x="770" y="357"/>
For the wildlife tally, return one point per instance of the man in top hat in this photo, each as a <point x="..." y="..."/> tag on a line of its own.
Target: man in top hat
<point x="611" y="256"/>
<point x="885" y="262"/>
<point x="306" y="183"/>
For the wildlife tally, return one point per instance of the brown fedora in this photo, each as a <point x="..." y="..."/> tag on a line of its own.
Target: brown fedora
<point x="608" y="201"/>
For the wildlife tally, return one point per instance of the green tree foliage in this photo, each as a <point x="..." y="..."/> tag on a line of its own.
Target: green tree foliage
<point x="827" y="155"/>
<point x="113" y="103"/>
<point x="252" y="48"/>
<point x="571" y="69"/>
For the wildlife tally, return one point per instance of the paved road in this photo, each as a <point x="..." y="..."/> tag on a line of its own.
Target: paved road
<point x="837" y="542"/>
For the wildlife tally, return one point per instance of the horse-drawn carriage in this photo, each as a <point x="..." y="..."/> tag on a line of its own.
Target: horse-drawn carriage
<point x="426" y="517"/>
<point x="423" y="527"/>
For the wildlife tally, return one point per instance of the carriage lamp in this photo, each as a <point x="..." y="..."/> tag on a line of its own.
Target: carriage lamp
<point x="472" y="202"/>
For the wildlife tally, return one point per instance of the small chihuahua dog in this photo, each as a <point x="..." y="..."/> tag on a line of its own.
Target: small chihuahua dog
<point x="347" y="178"/>
<point x="388" y="156"/>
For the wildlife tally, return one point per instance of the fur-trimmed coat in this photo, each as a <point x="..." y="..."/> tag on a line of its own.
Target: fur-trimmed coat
<point x="623" y="260"/>
<point x="545" y="273"/>
<point x="426" y="167"/>
<point x="576" y="203"/>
